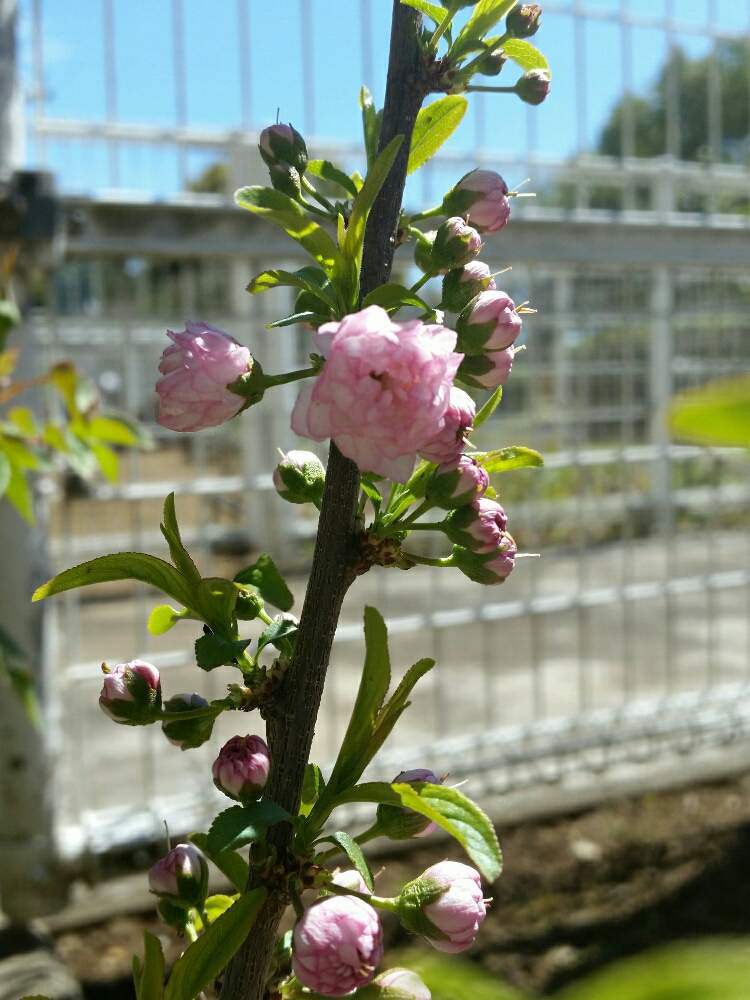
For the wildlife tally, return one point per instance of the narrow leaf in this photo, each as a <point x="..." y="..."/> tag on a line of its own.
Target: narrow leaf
<point x="506" y="459"/>
<point x="119" y="566"/>
<point x="524" y="54"/>
<point x="299" y="317"/>
<point x="204" y="959"/>
<point x="371" y="120"/>
<point x="396" y="706"/>
<point x="230" y="863"/>
<point x="328" y="171"/>
<point x="171" y="531"/>
<point x="353" y="851"/>
<point x="265" y="575"/>
<point x="312" y="785"/>
<point x="485" y="16"/>
<point x="431" y="10"/>
<point x="489" y="407"/>
<point x="149" y="983"/>
<point x="364" y="201"/>
<point x="435" y="124"/>
<point x="240" y="825"/>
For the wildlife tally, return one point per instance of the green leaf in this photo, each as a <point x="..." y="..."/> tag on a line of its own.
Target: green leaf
<point x="489" y="407"/>
<point x="309" y="279"/>
<point x="312" y="785"/>
<point x="461" y="818"/>
<point x="279" y="634"/>
<point x="5" y="472"/>
<point x="431" y="10"/>
<point x="163" y="618"/>
<point x="18" y="492"/>
<point x="371" y="491"/>
<point x="524" y="54"/>
<point x="371" y="121"/>
<point x="373" y="687"/>
<point x="292" y="218"/>
<point x="216" y="905"/>
<point x="353" y="851"/>
<point x="391" y="296"/>
<point x="119" y="430"/>
<point x="119" y="566"/>
<point x="330" y="172"/>
<point x="212" y="651"/>
<point x="240" y="825"/>
<point x="376" y="176"/>
<point x="23" y="418"/>
<point x="435" y="124"/>
<point x="106" y="459"/>
<point x="486" y="14"/>
<point x="299" y="317"/>
<point x="265" y="576"/>
<point x="230" y="863"/>
<point x="397" y="705"/>
<point x="78" y="391"/>
<point x="149" y="974"/>
<point x="216" y="599"/>
<point x="717" y="414"/>
<point x="506" y="459"/>
<point x="171" y="531"/>
<point x="205" y="958"/>
<point x="22" y="683"/>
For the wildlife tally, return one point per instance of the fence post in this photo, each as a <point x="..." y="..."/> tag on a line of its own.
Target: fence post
<point x="30" y="878"/>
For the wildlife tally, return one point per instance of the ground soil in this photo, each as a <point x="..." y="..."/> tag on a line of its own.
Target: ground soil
<point x="577" y="891"/>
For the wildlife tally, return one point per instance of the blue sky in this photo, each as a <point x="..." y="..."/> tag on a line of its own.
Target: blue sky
<point x="337" y="54"/>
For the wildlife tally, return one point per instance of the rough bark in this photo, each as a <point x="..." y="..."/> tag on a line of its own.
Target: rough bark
<point x="292" y="725"/>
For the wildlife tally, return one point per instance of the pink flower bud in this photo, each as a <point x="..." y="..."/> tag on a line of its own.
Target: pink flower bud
<point x="457" y="423"/>
<point x="196" y="372"/>
<point x="181" y="876"/>
<point x="483" y="196"/>
<point x="456" y="243"/>
<point x="241" y="769"/>
<point x="478" y="526"/>
<point x="460" y="286"/>
<point x="487" y="371"/>
<point x="131" y="693"/>
<point x="489" y="323"/>
<point x="403" y="824"/>
<point x="402" y="984"/>
<point x="459" y="910"/>
<point x="299" y="477"/>
<point x="337" y="945"/>
<point x="524" y="20"/>
<point x="534" y="86"/>
<point x="383" y="391"/>
<point x="350" y="879"/>
<point x="489" y="569"/>
<point x="187" y="733"/>
<point x="283" y="145"/>
<point x="455" y="484"/>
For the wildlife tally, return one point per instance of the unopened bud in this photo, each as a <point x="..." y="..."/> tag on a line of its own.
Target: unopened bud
<point x="283" y="144"/>
<point x="241" y="769"/>
<point x="487" y="371"/>
<point x="479" y="525"/>
<point x="403" y="824"/>
<point x="494" y="567"/>
<point x="423" y="252"/>
<point x="181" y="877"/>
<point x="285" y="178"/>
<point x="483" y="196"/>
<point x="456" y="243"/>
<point x="445" y="905"/>
<point x="131" y="693"/>
<point x="490" y="322"/>
<point x="454" y="484"/>
<point x="400" y="984"/>
<point x="534" y="86"/>
<point x="492" y="63"/>
<point x="300" y="477"/>
<point x="187" y="733"/>
<point x="524" y="20"/>
<point x="463" y="284"/>
<point x="249" y="604"/>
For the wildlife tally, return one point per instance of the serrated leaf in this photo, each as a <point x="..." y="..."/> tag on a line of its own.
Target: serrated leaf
<point x="525" y="55"/>
<point x="170" y="529"/>
<point x="230" y="863"/>
<point x="392" y="295"/>
<point x="328" y="171"/>
<point x="435" y="124"/>
<point x="212" y="651"/>
<point x="507" y="459"/>
<point x="240" y="825"/>
<point x="205" y="958"/>
<point x="286" y="213"/>
<point x="148" y="975"/>
<point x="353" y="851"/>
<point x="716" y="414"/>
<point x="489" y="407"/>
<point x="119" y="566"/>
<point x="279" y="634"/>
<point x="265" y="576"/>
<point x="310" y="279"/>
<point x="485" y="15"/>
<point x="431" y="10"/>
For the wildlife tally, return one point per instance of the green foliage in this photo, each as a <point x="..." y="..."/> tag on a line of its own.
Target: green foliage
<point x="456" y="978"/>
<point x="715" y="414"/>
<point x="19" y="678"/>
<point x="507" y="459"/>
<point x="525" y="55"/>
<point x="312" y="786"/>
<point x="228" y="862"/>
<point x="163" y="618"/>
<point x="266" y="578"/>
<point x="328" y="171"/>
<point x="278" y="634"/>
<point x="488" y="408"/>
<point x="119" y="566"/>
<point x="148" y="975"/>
<point x="371" y="121"/>
<point x="485" y="15"/>
<point x="435" y="12"/>
<point x="171" y="531"/>
<point x="309" y="279"/>
<point x="213" y="651"/>
<point x="392" y="296"/>
<point x="240" y="825"/>
<point x="435" y="125"/>
<point x="204" y="959"/>
<point x="353" y="851"/>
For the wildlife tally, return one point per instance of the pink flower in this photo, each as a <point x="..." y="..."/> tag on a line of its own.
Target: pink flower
<point x="502" y="561"/>
<point x="241" y="769"/>
<point x="196" y="370"/>
<point x="487" y="371"/>
<point x="490" y="323"/>
<point x="457" y="421"/>
<point x="182" y="875"/>
<point x="483" y="196"/>
<point x="455" y="484"/>
<point x="402" y="984"/>
<point x="383" y="392"/>
<point x="460" y="910"/>
<point x="131" y="693"/>
<point x="478" y="525"/>
<point x="337" y="945"/>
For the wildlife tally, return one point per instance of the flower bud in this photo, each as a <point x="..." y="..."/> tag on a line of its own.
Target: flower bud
<point x="350" y="878"/>
<point x="423" y="251"/>
<point x="534" y="86"/>
<point x="188" y="733"/>
<point x="282" y="144"/>
<point x="403" y="824"/>
<point x="196" y="372"/>
<point x="401" y="984"/>
<point x="181" y="876"/>
<point x="457" y="425"/>
<point x="454" y="485"/>
<point x="300" y="477"/>
<point x="488" y="569"/>
<point x="285" y="178"/>
<point x="483" y="196"/>
<point x="478" y="526"/>
<point x="445" y="905"/>
<point x="131" y="693"/>
<point x="492" y="64"/>
<point x="487" y="371"/>
<point x="463" y="284"/>
<point x="456" y="243"/>
<point x="337" y="945"/>
<point x="524" y="20"/>
<point x="241" y="769"/>
<point x="249" y="604"/>
<point x="488" y="323"/>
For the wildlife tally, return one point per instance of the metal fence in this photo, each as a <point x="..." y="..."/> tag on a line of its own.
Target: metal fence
<point x="628" y="642"/>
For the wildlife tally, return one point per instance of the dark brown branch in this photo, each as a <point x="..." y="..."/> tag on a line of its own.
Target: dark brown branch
<point x="292" y="726"/>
